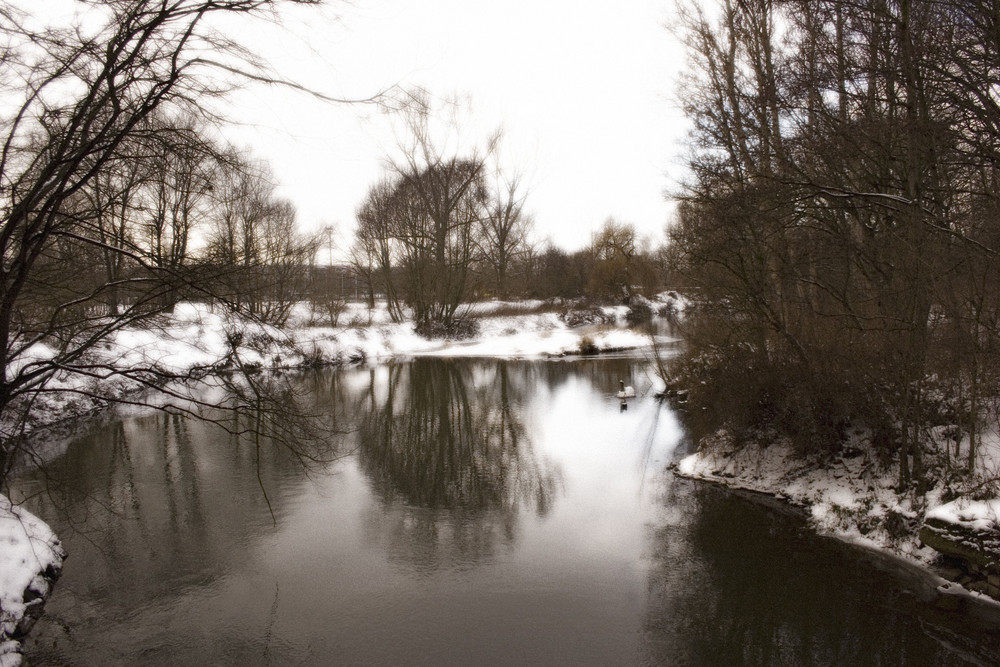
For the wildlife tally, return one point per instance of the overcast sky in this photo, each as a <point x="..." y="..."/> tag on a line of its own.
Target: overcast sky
<point x="582" y="90"/>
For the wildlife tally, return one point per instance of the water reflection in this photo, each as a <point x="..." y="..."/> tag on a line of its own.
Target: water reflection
<point x="149" y="508"/>
<point x="736" y="582"/>
<point x="448" y="435"/>
<point x="445" y="445"/>
<point x="488" y="512"/>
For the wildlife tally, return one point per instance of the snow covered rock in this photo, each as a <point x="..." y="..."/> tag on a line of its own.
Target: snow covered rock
<point x="30" y="560"/>
<point x="968" y="531"/>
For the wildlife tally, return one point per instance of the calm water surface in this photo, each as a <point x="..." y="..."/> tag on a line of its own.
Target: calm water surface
<point x="479" y="512"/>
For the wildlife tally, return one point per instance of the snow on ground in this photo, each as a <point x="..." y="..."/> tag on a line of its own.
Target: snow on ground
<point x="536" y="336"/>
<point x="849" y="497"/>
<point x="976" y="515"/>
<point x="980" y="515"/>
<point x="197" y="338"/>
<point x="29" y="557"/>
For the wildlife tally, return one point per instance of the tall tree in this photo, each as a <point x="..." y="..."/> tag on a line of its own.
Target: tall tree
<point x="375" y="252"/>
<point x="418" y="239"/>
<point x="843" y="192"/>
<point x="614" y="250"/>
<point x="253" y="243"/>
<point x="504" y="232"/>
<point x="76" y="99"/>
<point x="443" y="200"/>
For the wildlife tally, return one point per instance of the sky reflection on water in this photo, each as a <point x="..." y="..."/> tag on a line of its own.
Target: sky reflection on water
<point x="485" y="512"/>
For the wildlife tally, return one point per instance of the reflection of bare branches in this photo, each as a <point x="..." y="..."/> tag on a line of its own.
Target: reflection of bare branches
<point x="430" y="540"/>
<point x="267" y="407"/>
<point x="271" y="618"/>
<point x="161" y="500"/>
<point x="447" y="438"/>
<point x="430" y="442"/>
<point x="504" y="427"/>
<point x="275" y="414"/>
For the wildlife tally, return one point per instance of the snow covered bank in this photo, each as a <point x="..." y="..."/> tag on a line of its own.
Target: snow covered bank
<point x="197" y="339"/>
<point x="849" y="496"/>
<point x="845" y="496"/>
<point x="968" y="532"/>
<point x="30" y="560"/>
<point x="979" y="515"/>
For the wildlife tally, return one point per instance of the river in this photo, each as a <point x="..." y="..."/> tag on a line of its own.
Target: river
<point x="455" y="512"/>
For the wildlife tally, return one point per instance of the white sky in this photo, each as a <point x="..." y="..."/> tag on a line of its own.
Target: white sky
<point x="582" y="90"/>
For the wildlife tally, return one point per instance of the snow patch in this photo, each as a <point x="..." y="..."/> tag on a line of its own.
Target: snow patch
<point x="974" y="514"/>
<point x="847" y="496"/>
<point x="30" y="558"/>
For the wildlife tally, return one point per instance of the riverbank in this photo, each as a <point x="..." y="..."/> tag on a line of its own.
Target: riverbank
<point x="853" y="497"/>
<point x="31" y="559"/>
<point x="197" y="340"/>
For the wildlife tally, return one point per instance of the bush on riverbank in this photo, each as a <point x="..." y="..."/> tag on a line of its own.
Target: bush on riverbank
<point x="753" y="398"/>
<point x="832" y="437"/>
<point x="929" y="430"/>
<point x="459" y="329"/>
<point x="585" y="314"/>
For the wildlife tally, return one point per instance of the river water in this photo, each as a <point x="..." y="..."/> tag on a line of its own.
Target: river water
<point x="456" y="512"/>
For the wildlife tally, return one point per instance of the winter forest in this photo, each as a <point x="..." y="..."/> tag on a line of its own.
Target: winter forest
<point x="841" y="219"/>
<point x="417" y="400"/>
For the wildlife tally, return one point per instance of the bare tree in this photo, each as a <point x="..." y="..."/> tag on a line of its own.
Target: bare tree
<point x="842" y="205"/>
<point x="418" y="231"/>
<point x="375" y="252"/>
<point x="254" y="244"/>
<point x="182" y="166"/>
<point x="504" y="231"/>
<point x="78" y="99"/>
<point x="614" y="251"/>
<point x="442" y="201"/>
<point x="112" y="199"/>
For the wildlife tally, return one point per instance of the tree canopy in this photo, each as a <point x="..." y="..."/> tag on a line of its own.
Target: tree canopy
<point x="842" y="208"/>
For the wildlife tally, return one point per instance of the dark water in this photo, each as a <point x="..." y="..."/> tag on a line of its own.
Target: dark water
<point x="479" y="512"/>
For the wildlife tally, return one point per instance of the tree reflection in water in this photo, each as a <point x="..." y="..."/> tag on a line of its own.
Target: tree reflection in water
<point x="421" y="547"/>
<point x="447" y="439"/>
<point x="160" y="500"/>
<point x="152" y="505"/>
<point x="736" y="582"/>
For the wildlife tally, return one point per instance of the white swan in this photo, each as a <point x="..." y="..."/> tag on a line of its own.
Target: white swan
<point x="625" y="392"/>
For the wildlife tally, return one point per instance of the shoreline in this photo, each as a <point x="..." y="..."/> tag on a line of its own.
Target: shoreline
<point x="196" y="342"/>
<point x="908" y="555"/>
<point x="31" y="561"/>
